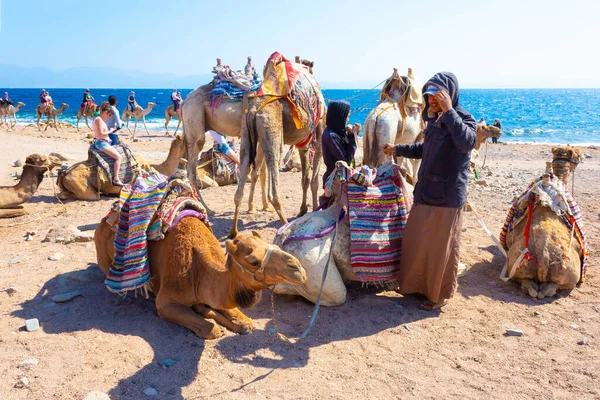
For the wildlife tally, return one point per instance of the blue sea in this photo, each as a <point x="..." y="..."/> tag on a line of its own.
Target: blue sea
<point x="559" y="116"/>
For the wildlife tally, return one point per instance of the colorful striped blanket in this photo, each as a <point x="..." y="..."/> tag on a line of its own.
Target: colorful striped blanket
<point x="230" y="89"/>
<point x="378" y="210"/>
<point x="557" y="197"/>
<point x="138" y="203"/>
<point x="107" y="163"/>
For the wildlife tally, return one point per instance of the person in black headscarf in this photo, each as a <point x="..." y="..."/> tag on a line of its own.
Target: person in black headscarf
<point x="498" y="125"/>
<point x="431" y="242"/>
<point x="339" y="143"/>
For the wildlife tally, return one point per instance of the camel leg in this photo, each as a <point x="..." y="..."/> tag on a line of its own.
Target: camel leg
<point x="304" y="161"/>
<point x="86" y="123"/>
<point x="167" y="119"/>
<point x="244" y="170"/>
<point x="13" y="212"/>
<point x="134" y="129"/>
<point x="316" y="168"/>
<point x="186" y="317"/>
<point x="263" y="188"/>
<point x="233" y="319"/>
<point x="127" y="125"/>
<point x="145" y="127"/>
<point x="77" y="123"/>
<point x="272" y="157"/>
<point x="530" y="287"/>
<point x="256" y="171"/>
<point x="547" y="289"/>
<point x="176" y="129"/>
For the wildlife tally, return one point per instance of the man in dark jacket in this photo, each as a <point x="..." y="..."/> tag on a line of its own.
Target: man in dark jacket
<point x="431" y="243"/>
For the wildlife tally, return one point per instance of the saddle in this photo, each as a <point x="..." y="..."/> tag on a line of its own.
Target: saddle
<point x="103" y="165"/>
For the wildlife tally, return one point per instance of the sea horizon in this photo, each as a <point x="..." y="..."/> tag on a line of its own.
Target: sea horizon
<point x="527" y="115"/>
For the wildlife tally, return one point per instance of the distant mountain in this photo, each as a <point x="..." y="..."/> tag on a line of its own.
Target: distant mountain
<point x="12" y="76"/>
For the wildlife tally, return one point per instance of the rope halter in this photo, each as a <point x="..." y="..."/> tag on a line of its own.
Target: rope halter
<point x="263" y="264"/>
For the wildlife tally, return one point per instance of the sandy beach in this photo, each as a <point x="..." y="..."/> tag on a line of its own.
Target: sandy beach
<point x="377" y="345"/>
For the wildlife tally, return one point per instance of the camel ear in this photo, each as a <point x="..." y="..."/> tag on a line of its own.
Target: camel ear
<point x="570" y="153"/>
<point x="256" y="234"/>
<point x="230" y="247"/>
<point x="553" y="150"/>
<point x="29" y="160"/>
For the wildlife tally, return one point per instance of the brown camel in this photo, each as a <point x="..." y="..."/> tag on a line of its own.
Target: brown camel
<point x="79" y="182"/>
<point x="557" y="253"/>
<point x="7" y="113"/>
<point x="50" y="112"/>
<point x="138" y="113"/>
<point x="271" y="120"/>
<point x="88" y="113"/>
<point x="169" y="114"/>
<point x="193" y="280"/>
<point x="483" y="132"/>
<point x="31" y="178"/>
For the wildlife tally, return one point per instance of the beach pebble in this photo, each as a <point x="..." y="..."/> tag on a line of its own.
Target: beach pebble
<point x="583" y="341"/>
<point x="167" y="362"/>
<point x="29" y="363"/>
<point x="96" y="396"/>
<point x="32" y="325"/>
<point x="17" y="260"/>
<point x="574" y="326"/>
<point x="56" y="257"/>
<point x="18" y="163"/>
<point x="272" y="331"/>
<point x="22" y="383"/>
<point x="150" y="392"/>
<point x="60" y="156"/>
<point x="514" y="332"/>
<point x="10" y="291"/>
<point x="81" y="237"/>
<point x="482" y="182"/>
<point x="407" y="327"/>
<point x="61" y="298"/>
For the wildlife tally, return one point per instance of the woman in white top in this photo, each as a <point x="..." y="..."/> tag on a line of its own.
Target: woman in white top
<point x="102" y="141"/>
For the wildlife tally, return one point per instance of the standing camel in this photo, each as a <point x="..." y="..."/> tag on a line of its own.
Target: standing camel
<point x="169" y="114"/>
<point x="138" y="113"/>
<point x="7" y="112"/>
<point x="89" y="112"/>
<point x="51" y="112"/>
<point x="396" y="119"/>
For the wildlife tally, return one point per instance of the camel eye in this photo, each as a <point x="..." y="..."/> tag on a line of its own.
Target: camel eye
<point x="253" y="261"/>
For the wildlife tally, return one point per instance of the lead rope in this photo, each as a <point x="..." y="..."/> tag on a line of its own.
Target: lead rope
<point x="313" y="317"/>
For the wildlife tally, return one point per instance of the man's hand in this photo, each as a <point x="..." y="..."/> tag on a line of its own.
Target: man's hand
<point x="389" y="149"/>
<point x="444" y="100"/>
<point x="357" y="128"/>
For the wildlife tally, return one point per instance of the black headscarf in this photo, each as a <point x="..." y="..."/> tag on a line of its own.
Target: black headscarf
<point x="337" y="115"/>
<point x="448" y="82"/>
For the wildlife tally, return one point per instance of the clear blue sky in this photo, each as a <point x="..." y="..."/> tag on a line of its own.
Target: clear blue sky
<point x="497" y="43"/>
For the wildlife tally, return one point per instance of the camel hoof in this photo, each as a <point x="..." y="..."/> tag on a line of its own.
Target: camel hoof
<point x="251" y="211"/>
<point x="268" y="209"/>
<point x="215" y="333"/>
<point x="232" y="235"/>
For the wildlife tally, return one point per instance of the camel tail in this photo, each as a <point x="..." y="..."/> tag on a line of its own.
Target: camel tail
<point x="252" y="133"/>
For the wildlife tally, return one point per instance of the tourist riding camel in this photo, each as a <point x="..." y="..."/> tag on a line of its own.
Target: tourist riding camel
<point x="544" y="234"/>
<point x="84" y="180"/>
<point x="131" y="103"/>
<point x="396" y="119"/>
<point x="34" y="169"/>
<point x="170" y="114"/>
<point x="268" y="115"/>
<point x="8" y="114"/>
<point x="50" y="112"/>
<point x="138" y="113"/>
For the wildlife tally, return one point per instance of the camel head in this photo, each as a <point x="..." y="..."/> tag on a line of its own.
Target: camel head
<point x="261" y="264"/>
<point x="484" y="132"/>
<point x="395" y="87"/>
<point x="20" y="104"/>
<point x="42" y="163"/>
<point x="565" y="160"/>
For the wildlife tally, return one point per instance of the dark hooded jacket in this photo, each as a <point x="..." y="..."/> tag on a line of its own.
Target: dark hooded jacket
<point x="446" y="150"/>
<point x="337" y="144"/>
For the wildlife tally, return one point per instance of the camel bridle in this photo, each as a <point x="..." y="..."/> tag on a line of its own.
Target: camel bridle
<point x="261" y="269"/>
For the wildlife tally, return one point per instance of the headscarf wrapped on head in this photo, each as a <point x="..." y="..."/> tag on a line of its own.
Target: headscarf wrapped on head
<point x="445" y="81"/>
<point x="337" y="115"/>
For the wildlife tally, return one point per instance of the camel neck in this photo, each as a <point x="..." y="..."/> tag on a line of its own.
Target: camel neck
<point x="562" y="170"/>
<point x="30" y="181"/>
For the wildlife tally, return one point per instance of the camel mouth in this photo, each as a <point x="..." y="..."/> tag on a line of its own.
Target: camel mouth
<point x="54" y="162"/>
<point x="295" y="276"/>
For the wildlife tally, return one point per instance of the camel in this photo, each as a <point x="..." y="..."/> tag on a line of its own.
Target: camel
<point x="170" y="113"/>
<point x="51" y="112"/>
<point x="89" y="113"/>
<point x="396" y="119"/>
<point x="555" y="260"/>
<point x="483" y="132"/>
<point x="272" y="119"/>
<point x="77" y="182"/>
<point x="8" y="111"/>
<point x="138" y="113"/>
<point x="313" y="253"/>
<point x="34" y="169"/>
<point x="193" y="279"/>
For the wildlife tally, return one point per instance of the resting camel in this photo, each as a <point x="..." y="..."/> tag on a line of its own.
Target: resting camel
<point x="8" y="111"/>
<point x="77" y="182"/>
<point x="31" y="178"/>
<point x="51" y="112"/>
<point x="88" y="113"/>
<point x="396" y="119"/>
<point x="169" y="114"/>
<point x="558" y="254"/>
<point x="193" y="279"/>
<point x="314" y="253"/>
<point x="138" y="113"/>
